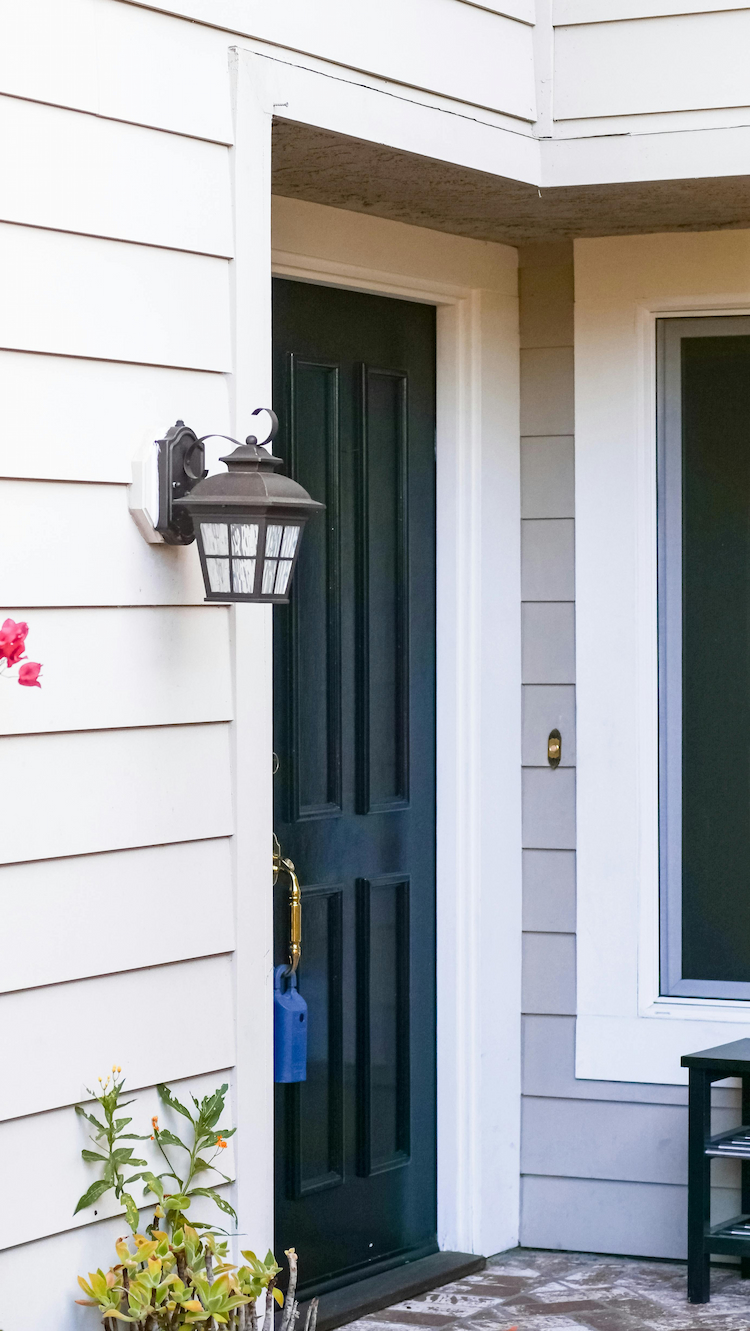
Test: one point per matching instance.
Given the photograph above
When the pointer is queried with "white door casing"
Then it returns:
(474, 286)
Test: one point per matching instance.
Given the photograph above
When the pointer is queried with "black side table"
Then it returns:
(733, 1236)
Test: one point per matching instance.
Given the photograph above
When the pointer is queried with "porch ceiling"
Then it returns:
(364, 177)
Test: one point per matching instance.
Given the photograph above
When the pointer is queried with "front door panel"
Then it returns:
(354, 387)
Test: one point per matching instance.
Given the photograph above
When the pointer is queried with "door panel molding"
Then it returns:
(373, 684)
(327, 488)
(394, 1034)
(297, 1185)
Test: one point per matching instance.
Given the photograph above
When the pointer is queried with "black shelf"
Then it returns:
(732, 1237)
(735, 1144)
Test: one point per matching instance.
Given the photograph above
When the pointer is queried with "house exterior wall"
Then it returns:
(136, 260)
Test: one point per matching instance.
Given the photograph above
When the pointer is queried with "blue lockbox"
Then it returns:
(289, 1028)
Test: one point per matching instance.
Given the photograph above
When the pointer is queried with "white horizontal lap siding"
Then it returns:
(84, 420)
(73, 794)
(54, 1040)
(78, 296)
(593, 11)
(77, 172)
(680, 63)
(123, 667)
(71, 918)
(29, 1144)
(77, 545)
(464, 51)
(119, 61)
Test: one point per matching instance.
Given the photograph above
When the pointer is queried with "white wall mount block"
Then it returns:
(143, 493)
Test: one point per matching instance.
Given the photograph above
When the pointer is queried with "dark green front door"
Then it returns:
(354, 676)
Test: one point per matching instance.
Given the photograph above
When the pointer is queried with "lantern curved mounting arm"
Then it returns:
(250, 438)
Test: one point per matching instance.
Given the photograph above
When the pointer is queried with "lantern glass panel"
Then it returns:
(215, 538)
(243, 576)
(273, 540)
(245, 539)
(269, 577)
(289, 541)
(218, 574)
(282, 577)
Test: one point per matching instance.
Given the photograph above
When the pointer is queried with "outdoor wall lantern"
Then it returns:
(247, 521)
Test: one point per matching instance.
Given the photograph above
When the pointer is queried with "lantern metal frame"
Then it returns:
(248, 521)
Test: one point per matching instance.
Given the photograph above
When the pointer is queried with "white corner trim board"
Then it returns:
(625, 1030)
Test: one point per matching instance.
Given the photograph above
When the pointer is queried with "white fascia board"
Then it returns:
(623, 158)
(396, 119)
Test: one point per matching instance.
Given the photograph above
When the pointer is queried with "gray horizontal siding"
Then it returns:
(598, 1215)
(633, 1143)
(549, 808)
(549, 891)
(604, 1163)
(549, 974)
(547, 477)
(549, 1070)
(548, 559)
(548, 647)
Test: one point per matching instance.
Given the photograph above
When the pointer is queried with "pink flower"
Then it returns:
(29, 674)
(12, 641)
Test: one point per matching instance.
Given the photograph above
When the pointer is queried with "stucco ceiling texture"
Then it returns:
(324, 167)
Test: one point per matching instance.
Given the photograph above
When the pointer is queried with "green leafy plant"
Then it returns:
(162, 1283)
(205, 1137)
(177, 1277)
(114, 1158)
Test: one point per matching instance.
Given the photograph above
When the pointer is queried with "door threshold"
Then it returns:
(402, 1282)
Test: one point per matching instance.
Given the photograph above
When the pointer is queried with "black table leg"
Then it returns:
(745, 1261)
(699, 1185)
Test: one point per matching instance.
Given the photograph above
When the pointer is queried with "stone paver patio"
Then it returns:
(545, 1291)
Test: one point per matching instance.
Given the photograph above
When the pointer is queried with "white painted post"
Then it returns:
(253, 673)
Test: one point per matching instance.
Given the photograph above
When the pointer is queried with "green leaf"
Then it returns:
(121, 1123)
(89, 1156)
(135, 1137)
(215, 1197)
(93, 1194)
(154, 1184)
(90, 1117)
(131, 1211)
(122, 1155)
(224, 1132)
(177, 1203)
(169, 1099)
(168, 1138)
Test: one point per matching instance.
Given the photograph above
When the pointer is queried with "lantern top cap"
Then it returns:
(251, 456)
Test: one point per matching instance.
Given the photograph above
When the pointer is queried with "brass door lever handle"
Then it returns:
(282, 865)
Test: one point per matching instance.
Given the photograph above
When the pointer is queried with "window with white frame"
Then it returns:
(703, 464)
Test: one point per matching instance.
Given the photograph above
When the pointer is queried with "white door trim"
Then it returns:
(478, 698)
